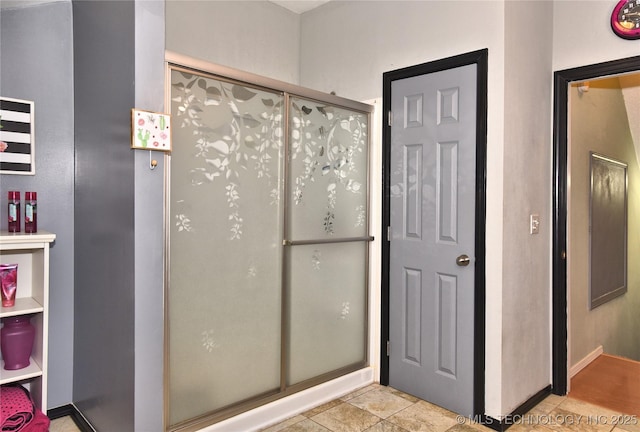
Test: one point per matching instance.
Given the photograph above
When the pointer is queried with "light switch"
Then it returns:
(534, 224)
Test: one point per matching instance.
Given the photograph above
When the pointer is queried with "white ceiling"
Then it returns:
(299, 6)
(24, 3)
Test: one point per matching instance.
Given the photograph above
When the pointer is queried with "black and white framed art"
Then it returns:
(17, 133)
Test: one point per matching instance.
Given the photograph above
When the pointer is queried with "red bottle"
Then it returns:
(30, 212)
(13, 215)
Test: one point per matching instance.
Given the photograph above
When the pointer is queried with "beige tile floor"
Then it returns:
(377, 408)
(63, 424)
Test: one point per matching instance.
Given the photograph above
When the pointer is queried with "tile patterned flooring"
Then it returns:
(377, 408)
(63, 424)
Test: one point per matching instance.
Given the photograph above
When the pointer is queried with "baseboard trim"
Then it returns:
(73, 412)
(573, 371)
(281, 409)
(516, 415)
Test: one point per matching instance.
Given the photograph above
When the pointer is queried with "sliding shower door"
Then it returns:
(267, 233)
(326, 238)
(224, 297)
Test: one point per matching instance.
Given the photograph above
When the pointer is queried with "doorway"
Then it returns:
(427, 364)
(562, 81)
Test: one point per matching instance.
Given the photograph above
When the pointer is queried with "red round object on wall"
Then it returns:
(625, 19)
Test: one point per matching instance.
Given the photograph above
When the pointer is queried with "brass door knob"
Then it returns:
(463, 260)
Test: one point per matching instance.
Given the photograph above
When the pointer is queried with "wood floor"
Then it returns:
(611, 382)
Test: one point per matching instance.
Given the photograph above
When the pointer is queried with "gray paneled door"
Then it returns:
(432, 214)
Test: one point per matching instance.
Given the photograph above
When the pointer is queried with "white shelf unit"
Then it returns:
(31, 253)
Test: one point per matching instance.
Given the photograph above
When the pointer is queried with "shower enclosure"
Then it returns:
(267, 240)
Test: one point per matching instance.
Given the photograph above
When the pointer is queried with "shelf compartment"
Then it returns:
(31, 253)
(10, 376)
(37, 240)
(23, 306)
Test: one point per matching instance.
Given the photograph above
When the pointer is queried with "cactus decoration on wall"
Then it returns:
(150, 131)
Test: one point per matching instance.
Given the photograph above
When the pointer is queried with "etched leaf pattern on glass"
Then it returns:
(328, 146)
(239, 141)
(228, 218)
(225, 278)
(208, 343)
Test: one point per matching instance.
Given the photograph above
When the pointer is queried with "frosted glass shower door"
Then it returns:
(327, 235)
(266, 291)
(226, 218)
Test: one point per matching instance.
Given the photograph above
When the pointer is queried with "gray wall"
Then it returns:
(347, 45)
(149, 227)
(526, 304)
(104, 64)
(255, 36)
(37, 66)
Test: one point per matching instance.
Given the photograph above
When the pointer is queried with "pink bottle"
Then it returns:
(13, 211)
(30, 212)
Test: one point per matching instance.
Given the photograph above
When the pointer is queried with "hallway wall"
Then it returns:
(527, 182)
